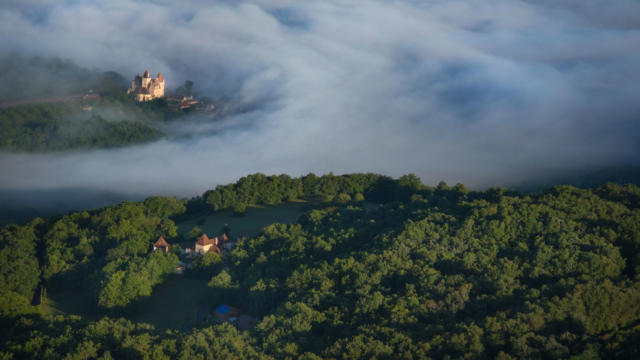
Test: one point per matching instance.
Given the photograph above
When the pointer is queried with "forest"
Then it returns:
(30, 77)
(113, 119)
(59, 127)
(375, 268)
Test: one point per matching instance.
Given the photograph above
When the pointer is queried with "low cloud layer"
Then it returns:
(486, 93)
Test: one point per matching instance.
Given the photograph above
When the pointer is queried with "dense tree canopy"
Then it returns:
(19, 268)
(427, 272)
(107, 250)
(271, 190)
(64, 126)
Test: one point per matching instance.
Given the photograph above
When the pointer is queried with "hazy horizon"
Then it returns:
(491, 93)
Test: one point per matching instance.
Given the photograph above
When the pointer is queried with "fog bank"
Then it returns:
(484, 93)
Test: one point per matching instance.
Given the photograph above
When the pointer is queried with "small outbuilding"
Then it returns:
(226, 312)
(161, 244)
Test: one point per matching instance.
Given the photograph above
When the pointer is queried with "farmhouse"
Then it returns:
(204, 244)
(161, 244)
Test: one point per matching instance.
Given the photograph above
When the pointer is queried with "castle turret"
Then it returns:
(146, 80)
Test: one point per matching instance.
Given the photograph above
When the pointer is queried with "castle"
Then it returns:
(146, 88)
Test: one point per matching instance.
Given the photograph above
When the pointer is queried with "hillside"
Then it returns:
(59, 127)
(49, 104)
(373, 267)
(25, 78)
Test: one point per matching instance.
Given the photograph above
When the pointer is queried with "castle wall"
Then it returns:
(143, 97)
(157, 88)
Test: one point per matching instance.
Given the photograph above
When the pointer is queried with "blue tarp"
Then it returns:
(223, 309)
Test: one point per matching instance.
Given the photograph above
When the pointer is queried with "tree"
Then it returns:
(343, 198)
(164, 207)
(19, 268)
(239, 208)
(221, 281)
(195, 232)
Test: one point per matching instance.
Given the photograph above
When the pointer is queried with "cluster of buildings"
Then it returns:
(203, 245)
(147, 88)
(182, 102)
(218, 245)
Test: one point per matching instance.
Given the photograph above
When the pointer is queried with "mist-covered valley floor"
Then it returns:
(499, 93)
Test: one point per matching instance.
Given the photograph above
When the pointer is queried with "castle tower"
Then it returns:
(157, 87)
(146, 79)
(135, 84)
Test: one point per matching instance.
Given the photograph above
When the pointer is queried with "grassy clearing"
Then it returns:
(249, 224)
(69, 302)
(176, 301)
(173, 303)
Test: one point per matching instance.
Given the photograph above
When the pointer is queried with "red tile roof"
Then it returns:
(204, 240)
(161, 242)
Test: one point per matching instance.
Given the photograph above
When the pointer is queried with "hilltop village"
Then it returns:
(107, 110)
(145, 88)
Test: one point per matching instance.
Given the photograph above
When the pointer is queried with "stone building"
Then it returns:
(161, 244)
(206, 244)
(147, 88)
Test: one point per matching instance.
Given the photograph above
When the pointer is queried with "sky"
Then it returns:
(487, 93)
